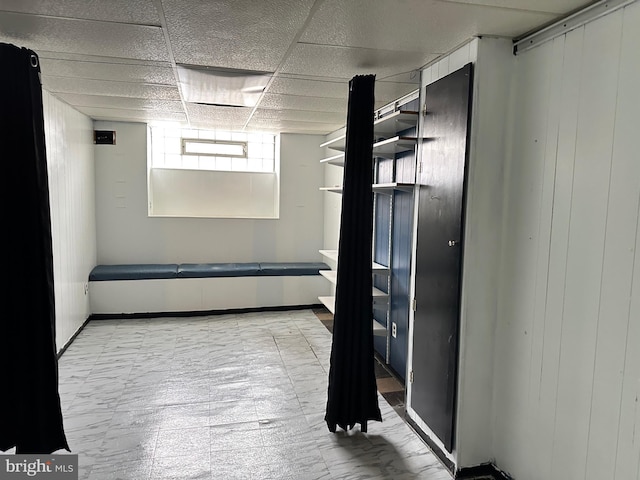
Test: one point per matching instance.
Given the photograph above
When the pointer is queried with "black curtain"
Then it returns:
(352, 392)
(30, 415)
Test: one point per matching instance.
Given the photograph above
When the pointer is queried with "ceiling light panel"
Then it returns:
(346, 62)
(125, 11)
(243, 34)
(113, 71)
(221, 87)
(83, 37)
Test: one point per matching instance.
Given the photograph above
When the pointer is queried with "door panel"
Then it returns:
(439, 253)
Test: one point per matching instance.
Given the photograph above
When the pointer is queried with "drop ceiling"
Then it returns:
(119, 59)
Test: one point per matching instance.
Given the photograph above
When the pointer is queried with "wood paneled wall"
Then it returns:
(567, 358)
(69, 144)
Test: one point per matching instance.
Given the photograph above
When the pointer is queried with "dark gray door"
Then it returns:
(439, 253)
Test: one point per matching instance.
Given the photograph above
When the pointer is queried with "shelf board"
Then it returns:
(390, 147)
(388, 188)
(338, 143)
(330, 254)
(376, 268)
(330, 303)
(394, 122)
(330, 275)
(337, 160)
(336, 189)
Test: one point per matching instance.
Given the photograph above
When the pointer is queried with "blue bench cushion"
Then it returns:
(292, 268)
(133, 272)
(202, 270)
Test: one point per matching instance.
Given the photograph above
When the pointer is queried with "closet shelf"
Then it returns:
(395, 122)
(388, 188)
(390, 147)
(338, 143)
(329, 303)
(376, 268)
(336, 189)
(335, 160)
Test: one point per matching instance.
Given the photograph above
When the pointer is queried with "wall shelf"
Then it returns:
(390, 147)
(337, 160)
(395, 122)
(389, 188)
(336, 189)
(378, 328)
(338, 143)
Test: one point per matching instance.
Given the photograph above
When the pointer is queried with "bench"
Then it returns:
(203, 287)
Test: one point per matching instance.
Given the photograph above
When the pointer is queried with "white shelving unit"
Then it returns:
(388, 123)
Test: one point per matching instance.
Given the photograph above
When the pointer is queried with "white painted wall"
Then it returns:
(69, 144)
(567, 345)
(492, 69)
(127, 235)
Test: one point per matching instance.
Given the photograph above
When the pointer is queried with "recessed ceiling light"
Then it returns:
(215, 86)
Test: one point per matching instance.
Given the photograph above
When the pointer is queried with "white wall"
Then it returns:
(567, 362)
(69, 144)
(127, 235)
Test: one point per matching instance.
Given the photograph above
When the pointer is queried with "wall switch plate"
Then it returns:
(394, 329)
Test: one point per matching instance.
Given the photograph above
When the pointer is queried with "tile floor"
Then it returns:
(238, 396)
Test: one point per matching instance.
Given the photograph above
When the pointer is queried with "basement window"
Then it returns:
(212, 174)
(214, 148)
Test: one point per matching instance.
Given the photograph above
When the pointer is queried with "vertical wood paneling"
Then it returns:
(586, 245)
(537, 412)
(69, 144)
(571, 272)
(627, 441)
(525, 184)
(620, 240)
(556, 276)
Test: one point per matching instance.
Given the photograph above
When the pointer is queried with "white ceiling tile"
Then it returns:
(299, 115)
(126, 11)
(429, 26)
(121, 102)
(242, 34)
(83, 36)
(332, 88)
(113, 71)
(387, 92)
(109, 89)
(295, 102)
(547, 6)
(233, 117)
(286, 126)
(122, 115)
(345, 62)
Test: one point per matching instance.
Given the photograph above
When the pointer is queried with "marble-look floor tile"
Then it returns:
(234, 396)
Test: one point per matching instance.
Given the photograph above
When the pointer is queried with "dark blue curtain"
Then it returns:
(352, 392)
(30, 414)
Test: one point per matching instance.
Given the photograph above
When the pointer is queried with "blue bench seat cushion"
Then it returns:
(204, 270)
(292, 268)
(133, 272)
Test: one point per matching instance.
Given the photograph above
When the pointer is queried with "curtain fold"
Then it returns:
(30, 413)
(352, 394)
